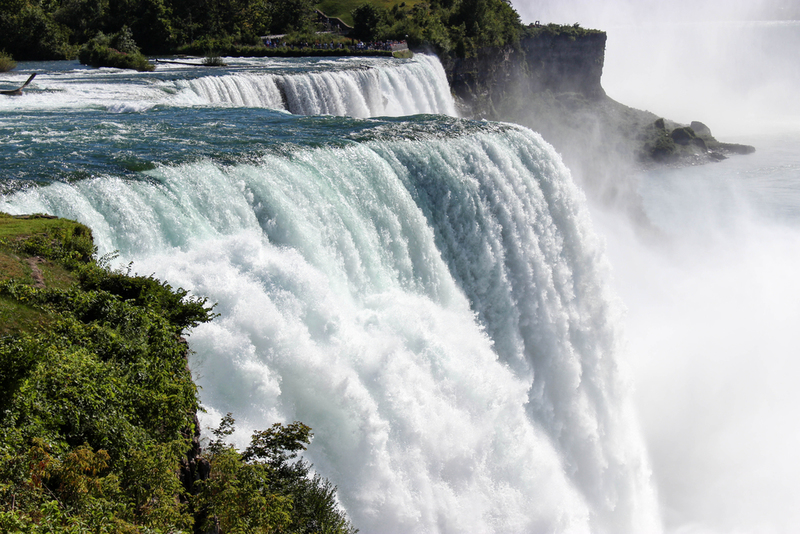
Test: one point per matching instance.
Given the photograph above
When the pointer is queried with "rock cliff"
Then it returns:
(489, 83)
(551, 83)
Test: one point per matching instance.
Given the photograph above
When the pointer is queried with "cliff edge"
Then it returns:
(551, 83)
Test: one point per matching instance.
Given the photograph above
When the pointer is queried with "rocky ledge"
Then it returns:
(667, 142)
(551, 84)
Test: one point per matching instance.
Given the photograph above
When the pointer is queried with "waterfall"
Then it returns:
(415, 87)
(428, 296)
(356, 87)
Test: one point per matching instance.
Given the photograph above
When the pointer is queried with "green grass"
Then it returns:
(22, 239)
(97, 407)
(28, 225)
(342, 8)
(16, 318)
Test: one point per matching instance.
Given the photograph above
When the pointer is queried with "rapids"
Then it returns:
(427, 293)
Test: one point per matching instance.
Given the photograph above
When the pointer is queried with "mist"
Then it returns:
(696, 60)
(713, 296)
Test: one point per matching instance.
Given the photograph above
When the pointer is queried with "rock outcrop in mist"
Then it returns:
(551, 83)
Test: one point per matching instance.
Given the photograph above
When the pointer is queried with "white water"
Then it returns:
(365, 87)
(712, 305)
(436, 309)
(418, 87)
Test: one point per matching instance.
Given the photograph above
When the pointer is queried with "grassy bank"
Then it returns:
(98, 408)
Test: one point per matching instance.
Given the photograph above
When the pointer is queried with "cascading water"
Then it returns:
(364, 87)
(713, 301)
(419, 87)
(426, 293)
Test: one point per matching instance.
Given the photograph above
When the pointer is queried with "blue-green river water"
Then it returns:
(432, 295)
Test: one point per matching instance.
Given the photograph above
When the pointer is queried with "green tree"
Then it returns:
(265, 488)
(28, 32)
(292, 16)
(83, 17)
(369, 22)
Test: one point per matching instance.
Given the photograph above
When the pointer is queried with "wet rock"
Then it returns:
(700, 129)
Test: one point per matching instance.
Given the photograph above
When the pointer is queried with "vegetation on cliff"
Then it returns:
(98, 408)
(449, 26)
(573, 32)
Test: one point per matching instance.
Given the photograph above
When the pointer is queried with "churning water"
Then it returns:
(357, 87)
(426, 292)
(431, 296)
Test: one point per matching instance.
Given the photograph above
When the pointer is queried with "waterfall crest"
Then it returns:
(413, 88)
(355, 87)
(431, 303)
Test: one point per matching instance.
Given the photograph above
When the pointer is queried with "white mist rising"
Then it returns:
(435, 307)
(731, 65)
(713, 307)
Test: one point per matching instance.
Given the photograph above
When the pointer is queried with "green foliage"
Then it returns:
(263, 489)
(7, 63)
(118, 50)
(71, 244)
(30, 29)
(234, 50)
(291, 15)
(27, 32)
(97, 405)
(485, 23)
(212, 59)
(94, 409)
(656, 143)
(572, 32)
(369, 22)
(460, 27)
(84, 18)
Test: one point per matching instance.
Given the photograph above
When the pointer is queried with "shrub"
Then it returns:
(212, 59)
(118, 50)
(97, 410)
(7, 63)
(263, 488)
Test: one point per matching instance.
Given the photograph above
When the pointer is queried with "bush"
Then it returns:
(118, 50)
(98, 410)
(7, 63)
(263, 488)
(30, 33)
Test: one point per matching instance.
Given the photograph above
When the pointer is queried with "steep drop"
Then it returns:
(427, 294)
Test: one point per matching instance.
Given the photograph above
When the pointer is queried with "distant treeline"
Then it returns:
(56, 29)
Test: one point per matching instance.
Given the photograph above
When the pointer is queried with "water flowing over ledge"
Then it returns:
(362, 87)
(428, 295)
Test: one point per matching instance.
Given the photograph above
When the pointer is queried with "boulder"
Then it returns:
(700, 129)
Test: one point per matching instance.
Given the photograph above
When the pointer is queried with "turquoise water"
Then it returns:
(432, 296)
(426, 292)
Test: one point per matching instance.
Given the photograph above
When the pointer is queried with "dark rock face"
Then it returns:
(489, 83)
(564, 65)
(685, 136)
(193, 465)
(551, 84)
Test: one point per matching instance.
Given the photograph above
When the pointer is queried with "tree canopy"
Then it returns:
(57, 29)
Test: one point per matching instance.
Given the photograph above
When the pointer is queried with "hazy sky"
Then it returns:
(622, 12)
(716, 62)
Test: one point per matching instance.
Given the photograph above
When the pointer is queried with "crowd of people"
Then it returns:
(279, 42)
